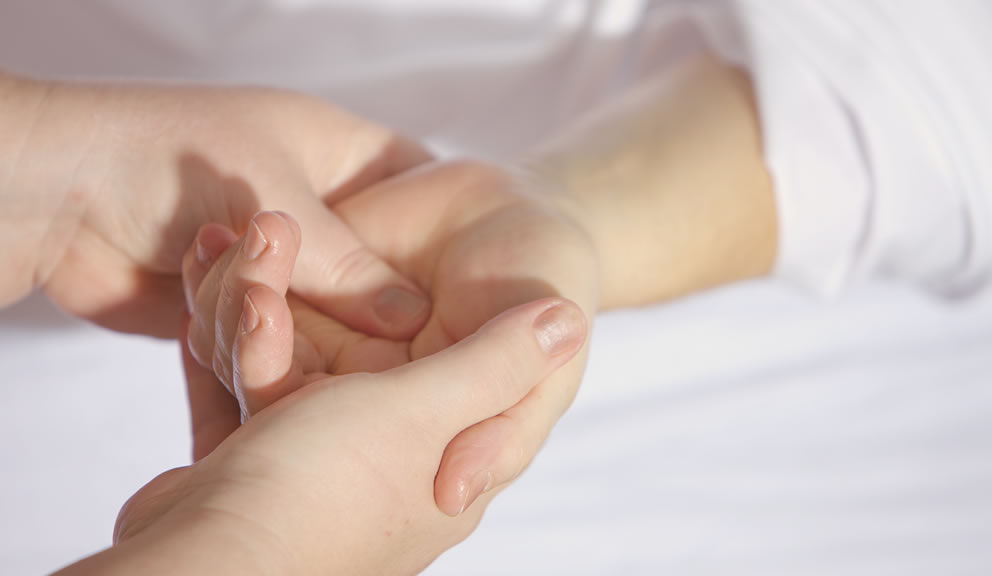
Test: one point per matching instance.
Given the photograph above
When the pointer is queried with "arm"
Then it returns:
(30, 197)
(670, 185)
(193, 544)
(876, 135)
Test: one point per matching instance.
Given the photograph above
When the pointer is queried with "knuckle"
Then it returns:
(351, 266)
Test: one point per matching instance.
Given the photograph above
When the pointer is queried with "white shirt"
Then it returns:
(746, 431)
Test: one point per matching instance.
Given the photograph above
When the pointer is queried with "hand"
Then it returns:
(479, 240)
(135, 171)
(337, 477)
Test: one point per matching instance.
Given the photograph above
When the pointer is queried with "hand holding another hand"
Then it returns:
(337, 477)
(110, 183)
(478, 239)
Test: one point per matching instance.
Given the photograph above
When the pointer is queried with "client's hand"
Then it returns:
(480, 240)
(337, 477)
(111, 183)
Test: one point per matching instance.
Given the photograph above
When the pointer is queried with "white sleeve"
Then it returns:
(877, 130)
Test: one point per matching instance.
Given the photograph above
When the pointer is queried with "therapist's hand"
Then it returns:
(481, 239)
(103, 188)
(478, 239)
(337, 477)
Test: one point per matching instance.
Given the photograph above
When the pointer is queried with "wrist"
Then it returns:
(184, 540)
(670, 184)
(559, 195)
(40, 152)
(22, 218)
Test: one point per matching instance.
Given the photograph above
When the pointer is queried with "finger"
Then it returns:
(210, 243)
(335, 271)
(264, 257)
(496, 451)
(214, 413)
(340, 276)
(264, 370)
(203, 311)
(491, 370)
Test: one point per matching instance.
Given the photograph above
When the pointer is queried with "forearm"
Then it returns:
(671, 186)
(193, 547)
(40, 146)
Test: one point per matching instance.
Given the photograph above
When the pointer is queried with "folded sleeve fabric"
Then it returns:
(877, 129)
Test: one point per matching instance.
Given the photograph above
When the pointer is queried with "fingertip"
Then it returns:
(460, 496)
(279, 229)
(265, 313)
(250, 318)
(470, 466)
(211, 241)
(342, 277)
(401, 311)
(561, 329)
(208, 245)
(263, 350)
(294, 226)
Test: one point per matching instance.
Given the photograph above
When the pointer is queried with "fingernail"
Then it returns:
(560, 329)
(202, 256)
(398, 306)
(249, 316)
(480, 483)
(209, 245)
(255, 242)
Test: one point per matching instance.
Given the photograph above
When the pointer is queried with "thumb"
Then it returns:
(493, 369)
(339, 275)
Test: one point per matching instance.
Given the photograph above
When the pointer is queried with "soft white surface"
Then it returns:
(749, 431)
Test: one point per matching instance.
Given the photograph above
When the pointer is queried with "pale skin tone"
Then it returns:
(660, 195)
(337, 477)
